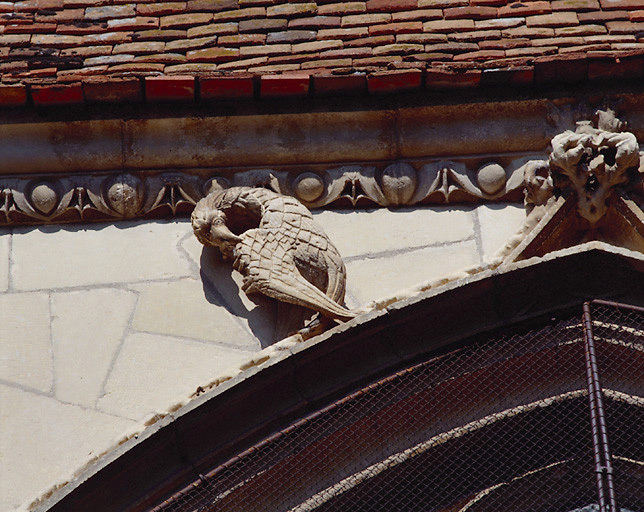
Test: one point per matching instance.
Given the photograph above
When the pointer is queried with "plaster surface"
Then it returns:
(107, 326)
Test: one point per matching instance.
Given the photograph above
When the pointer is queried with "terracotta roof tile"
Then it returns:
(48, 48)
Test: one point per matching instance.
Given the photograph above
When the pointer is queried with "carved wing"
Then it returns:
(265, 258)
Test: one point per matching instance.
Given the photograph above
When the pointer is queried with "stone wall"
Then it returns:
(105, 326)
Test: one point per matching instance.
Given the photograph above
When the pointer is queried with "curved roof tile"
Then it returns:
(70, 51)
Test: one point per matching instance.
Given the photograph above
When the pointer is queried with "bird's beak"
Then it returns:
(220, 232)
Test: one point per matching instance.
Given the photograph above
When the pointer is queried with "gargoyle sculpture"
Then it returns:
(589, 189)
(277, 246)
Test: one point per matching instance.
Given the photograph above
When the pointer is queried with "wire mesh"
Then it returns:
(498, 425)
(619, 341)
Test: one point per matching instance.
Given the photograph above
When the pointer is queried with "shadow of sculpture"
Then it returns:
(223, 287)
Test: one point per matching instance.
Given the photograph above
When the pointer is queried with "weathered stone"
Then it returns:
(5, 246)
(491, 178)
(25, 351)
(189, 309)
(163, 371)
(497, 223)
(375, 277)
(49, 438)
(398, 230)
(87, 328)
(133, 251)
(308, 186)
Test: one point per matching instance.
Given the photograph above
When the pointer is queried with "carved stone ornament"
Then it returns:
(278, 248)
(151, 193)
(589, 189)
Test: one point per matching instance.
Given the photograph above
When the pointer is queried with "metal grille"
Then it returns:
(515, 423)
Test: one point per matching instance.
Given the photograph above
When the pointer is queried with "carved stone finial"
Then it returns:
(276, 245)
(582, 192)
(592, 161)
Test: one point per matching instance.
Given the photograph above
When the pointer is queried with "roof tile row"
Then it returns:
(46, 43)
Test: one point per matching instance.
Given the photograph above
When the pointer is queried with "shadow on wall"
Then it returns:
(222, 287)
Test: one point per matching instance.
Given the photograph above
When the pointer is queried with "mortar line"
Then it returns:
(10, 263)
(477, 235)
(122, 285)
(396, 252)
(51, 346)
(127, 330)
(220, 344)
(42, 394)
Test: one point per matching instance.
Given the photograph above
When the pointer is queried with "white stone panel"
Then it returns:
(25, 342)
(498, 222)
(257, 315)
(153, 373)
(376, 278)
(5, 245)
(44, 442)
(87, 328)
(81, 255)
(184, 308)
(382, 230)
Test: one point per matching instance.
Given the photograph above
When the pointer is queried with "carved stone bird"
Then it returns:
(276, 245)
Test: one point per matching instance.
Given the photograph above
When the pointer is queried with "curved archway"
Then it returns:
(221, 425)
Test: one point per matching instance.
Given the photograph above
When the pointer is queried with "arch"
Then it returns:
(232, 417)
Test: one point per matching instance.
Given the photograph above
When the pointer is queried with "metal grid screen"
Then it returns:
(549, 420)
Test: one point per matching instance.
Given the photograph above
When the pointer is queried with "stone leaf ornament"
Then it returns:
(590, 188)
(276, 245)
(157, 194)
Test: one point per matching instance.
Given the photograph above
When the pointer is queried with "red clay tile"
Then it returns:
(560, 69)
(161, 8)
(620, 4)
(211, 5)
(274, 86)
(51, 95)
(342, 8)
(525, 9)
(112, 90)
(394, 81)
(601, 16)
(329, 84)
(315, 22)
(213, 54)
(170, 88)
(34, 28)
(559, 19)
(624, 27)
(391, 5)
(396, 28)
(446, 79)
(470, 13)
(480, 55)
(512, 76)
(226, 87)
(575, 5)
(615, 68)
(636, 15)
(13, 95)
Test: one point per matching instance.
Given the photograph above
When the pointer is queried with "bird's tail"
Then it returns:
(297, 290)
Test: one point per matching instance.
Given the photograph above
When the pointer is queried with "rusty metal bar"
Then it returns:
(619, 305)
(603, 464)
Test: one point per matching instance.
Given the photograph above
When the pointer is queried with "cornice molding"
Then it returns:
(111, 169)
